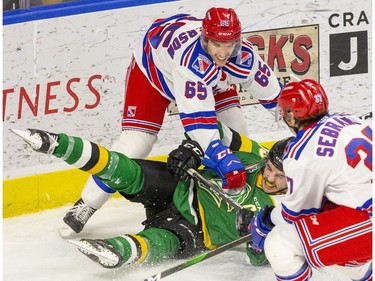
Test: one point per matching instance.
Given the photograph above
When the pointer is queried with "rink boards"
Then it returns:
(64, 70)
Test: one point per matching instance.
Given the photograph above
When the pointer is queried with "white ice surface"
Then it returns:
(34, 251)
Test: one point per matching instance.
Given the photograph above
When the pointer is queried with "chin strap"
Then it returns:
(294, 129)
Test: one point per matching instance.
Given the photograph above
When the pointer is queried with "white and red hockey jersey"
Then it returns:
(173, 59)
(332, 160)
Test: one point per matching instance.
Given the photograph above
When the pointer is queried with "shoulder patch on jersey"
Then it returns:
(246, 55)
(241, 65)
(244, 58)
(197, 60)
(201, 64)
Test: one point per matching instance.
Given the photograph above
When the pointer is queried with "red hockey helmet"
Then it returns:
(221, 24)
(303, 98)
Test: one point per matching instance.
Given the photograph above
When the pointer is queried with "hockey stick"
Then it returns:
(219, 192)
(199, 258)
(243, 216)
(214, 188)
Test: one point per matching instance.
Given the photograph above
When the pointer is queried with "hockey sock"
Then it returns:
(163, 244)
(132, 247)
(153, 245)
(114, 169)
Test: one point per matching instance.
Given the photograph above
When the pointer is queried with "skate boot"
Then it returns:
(76, 218)
(40, 141)
(100, 252)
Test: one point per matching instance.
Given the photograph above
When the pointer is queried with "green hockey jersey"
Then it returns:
(218, 218)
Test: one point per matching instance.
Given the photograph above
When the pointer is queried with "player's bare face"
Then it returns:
(273, 179)
(220, 52)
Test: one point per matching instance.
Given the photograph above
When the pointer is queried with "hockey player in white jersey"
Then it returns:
(325, 217)
(195, 64)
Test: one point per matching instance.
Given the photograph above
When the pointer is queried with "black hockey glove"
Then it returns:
(188, 155)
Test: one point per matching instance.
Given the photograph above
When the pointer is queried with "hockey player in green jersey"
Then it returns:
(184, 217)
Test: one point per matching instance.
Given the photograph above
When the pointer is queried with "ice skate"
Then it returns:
(100, 252)
(76, 218)
(40, 141)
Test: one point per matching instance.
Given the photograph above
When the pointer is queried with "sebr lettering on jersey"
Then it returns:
(174, 61)
(348, 160)
(329, 133)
